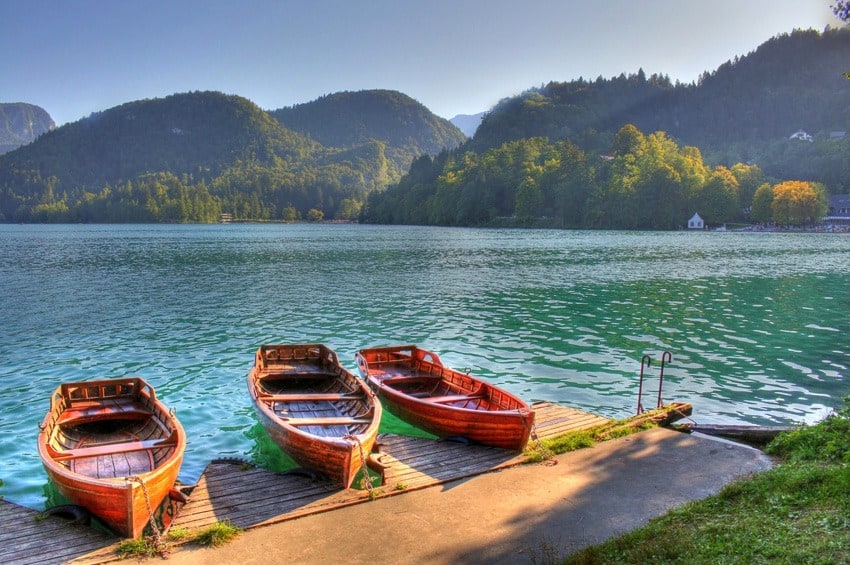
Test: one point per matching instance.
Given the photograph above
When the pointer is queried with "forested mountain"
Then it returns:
(21, 123)
(744, 111)
(199, 132)
(584, 154)
(192, 157)
(351, 119)
(631, 151)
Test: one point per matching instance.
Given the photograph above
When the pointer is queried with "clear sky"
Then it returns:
(75, 57)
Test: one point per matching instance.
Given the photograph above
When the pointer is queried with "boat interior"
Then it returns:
(319, 403)
(118, 436)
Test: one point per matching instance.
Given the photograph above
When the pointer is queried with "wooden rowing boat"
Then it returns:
(315, 410)
(111, 447)
(415, 386)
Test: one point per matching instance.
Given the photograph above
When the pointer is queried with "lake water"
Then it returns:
(757, 323)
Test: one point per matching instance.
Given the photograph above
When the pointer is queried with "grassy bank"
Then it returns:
(797, 512)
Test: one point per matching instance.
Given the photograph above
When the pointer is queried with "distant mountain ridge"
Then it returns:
(601, 153)
(22, 123)
(468, 123)
(350, 119)
(792, 81)
(192, 156)
(181, 133)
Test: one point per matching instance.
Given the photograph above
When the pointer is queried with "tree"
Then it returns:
(842, 10)
(661, 200)
(660, 193)
(628, 140)
(349, 209)
(718, 199)
(762, 210)
(799, 202)
(314, 215)
(572, 183)
(750, 178)
(528, 200)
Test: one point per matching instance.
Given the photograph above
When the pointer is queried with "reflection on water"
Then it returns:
(264, 453)
(756, 323)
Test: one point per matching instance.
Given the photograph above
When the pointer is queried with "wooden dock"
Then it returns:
(250, 497)
(28, 537)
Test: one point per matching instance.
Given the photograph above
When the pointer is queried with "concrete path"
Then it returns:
(526, 514)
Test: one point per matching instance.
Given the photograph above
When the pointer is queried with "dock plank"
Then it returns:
(254, 497)
(29, 538)
(250, 497)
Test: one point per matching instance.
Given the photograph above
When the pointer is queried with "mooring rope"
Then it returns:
(367, 479)
(159, 545)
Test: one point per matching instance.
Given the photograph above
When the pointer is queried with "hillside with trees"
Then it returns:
(641, 152)
(745, 111)
(189, 158)
(644, 182)
(352, 119)
(632, 151)
(22, 123)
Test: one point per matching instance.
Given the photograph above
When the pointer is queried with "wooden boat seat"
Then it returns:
(300, 369)
(390, 372)
(453, 398)
(294, 397)
(91, 411)
(111, 448)
(391, 381)
(329, 421)
(397, 361)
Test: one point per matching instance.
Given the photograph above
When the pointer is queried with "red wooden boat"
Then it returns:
(111, 447)
(315, 410)
(415, 386)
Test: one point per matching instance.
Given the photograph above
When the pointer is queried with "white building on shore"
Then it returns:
(696, 222)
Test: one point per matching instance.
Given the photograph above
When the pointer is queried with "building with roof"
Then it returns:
(696, 222)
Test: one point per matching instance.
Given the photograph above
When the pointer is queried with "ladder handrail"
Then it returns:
(666, 356)
(646, 361)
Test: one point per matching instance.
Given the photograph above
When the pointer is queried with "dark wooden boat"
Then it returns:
(315, 410)
(111, 447)
(414, 385)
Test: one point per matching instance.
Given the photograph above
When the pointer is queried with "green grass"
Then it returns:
(212, 536)
(216, 535)
(178, 534)
(798, 512)
(141, 547)
(544, 449)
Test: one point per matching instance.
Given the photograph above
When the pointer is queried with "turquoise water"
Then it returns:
(757, 323)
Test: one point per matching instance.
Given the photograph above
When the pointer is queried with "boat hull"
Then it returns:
(111, 447)
(415, 386)
(315, 410)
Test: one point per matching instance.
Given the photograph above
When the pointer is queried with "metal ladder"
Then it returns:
(646, 361)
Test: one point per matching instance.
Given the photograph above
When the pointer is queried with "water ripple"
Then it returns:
(756, 323)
